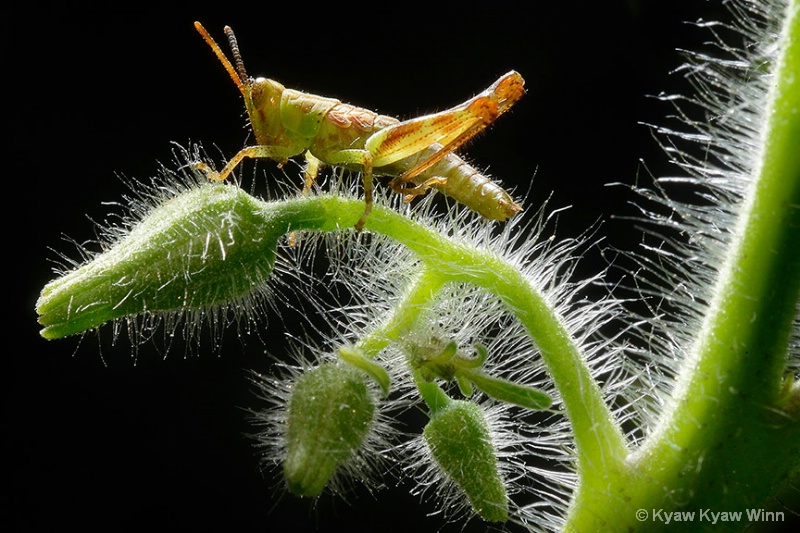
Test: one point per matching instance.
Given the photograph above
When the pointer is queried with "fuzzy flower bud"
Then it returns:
(461, 444)
(208, 246)
(330, 413)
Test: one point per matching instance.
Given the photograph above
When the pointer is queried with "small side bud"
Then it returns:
(460, 442)
(330, 413)
(208, 246)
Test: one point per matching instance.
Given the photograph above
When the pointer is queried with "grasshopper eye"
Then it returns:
(265, 92)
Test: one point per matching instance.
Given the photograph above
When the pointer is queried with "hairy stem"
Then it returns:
(600, 443)
(405, 314)
(728, 437)
(739, 357)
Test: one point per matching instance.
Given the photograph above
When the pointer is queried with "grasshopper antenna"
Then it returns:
(237, 56)
(237, 74)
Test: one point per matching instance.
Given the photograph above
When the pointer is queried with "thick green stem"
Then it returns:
(736, 366)
(725, 442)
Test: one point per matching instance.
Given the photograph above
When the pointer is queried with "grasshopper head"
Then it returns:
(262, 96)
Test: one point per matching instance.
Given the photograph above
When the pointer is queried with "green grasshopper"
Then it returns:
(417, 153)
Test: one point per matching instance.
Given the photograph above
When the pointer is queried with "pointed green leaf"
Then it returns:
(510, 392)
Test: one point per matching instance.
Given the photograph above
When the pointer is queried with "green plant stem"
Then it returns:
(739, 358)
(725, 442)
(599, 441)
(404, 314)
(433, 395)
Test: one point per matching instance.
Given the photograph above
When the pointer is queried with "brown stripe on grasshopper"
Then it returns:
(417, 153)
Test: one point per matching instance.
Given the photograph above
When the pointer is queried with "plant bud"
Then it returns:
(461, 444)
(208, 246)
(330, 413)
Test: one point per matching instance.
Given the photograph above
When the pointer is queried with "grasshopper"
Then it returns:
(418, 154)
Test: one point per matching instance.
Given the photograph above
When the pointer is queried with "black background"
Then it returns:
(97, 440)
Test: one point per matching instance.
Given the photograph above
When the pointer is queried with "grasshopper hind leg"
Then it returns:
(419, 189)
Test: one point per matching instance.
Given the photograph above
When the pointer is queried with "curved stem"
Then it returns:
(405, 313)
(600, 443)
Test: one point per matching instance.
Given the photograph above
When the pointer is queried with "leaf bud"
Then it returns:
(330, 413)
(459, 439)
(208, 246)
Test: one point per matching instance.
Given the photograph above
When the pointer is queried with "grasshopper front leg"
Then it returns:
(277, 153)
(360, 158)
